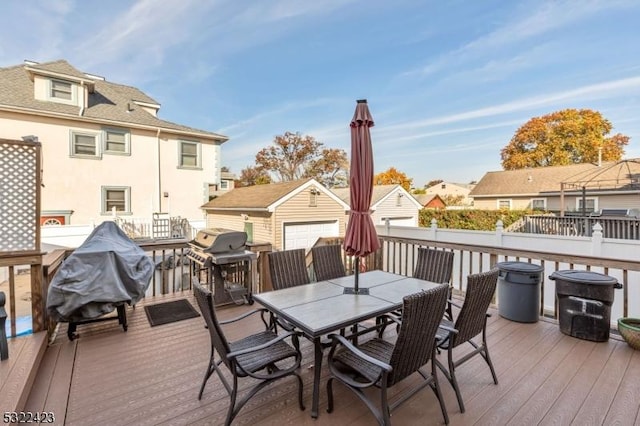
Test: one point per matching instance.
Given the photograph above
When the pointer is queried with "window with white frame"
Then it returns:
(399, 199)
(189, 155)
(84, 145)
(224, 184)
(504, 204)
(538, 204)
(116, 141)
(61, 90)
(591, 204)
(116, 198)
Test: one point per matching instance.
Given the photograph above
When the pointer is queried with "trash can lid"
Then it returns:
(583, 277)
(519, 267)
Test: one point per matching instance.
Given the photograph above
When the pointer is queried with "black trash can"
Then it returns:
(519, 291)
(584, 303)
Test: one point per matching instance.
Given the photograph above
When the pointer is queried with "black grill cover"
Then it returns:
(106, 270)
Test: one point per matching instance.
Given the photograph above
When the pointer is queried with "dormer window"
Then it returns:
(60, 90)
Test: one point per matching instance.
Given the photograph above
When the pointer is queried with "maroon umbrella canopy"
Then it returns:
(361, 238)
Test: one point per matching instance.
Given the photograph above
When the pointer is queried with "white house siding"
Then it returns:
(262, 223)
(75, 183)
(297, 210)
(388, 208)
(604, 201)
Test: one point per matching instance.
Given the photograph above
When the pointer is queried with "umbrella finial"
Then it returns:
(361, 101)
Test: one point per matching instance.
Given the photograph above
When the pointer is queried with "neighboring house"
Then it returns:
(611, 185)
(104, 147)
(227, 183)
(289, 215)
(430, 201)
(449, 189)
(389, 202)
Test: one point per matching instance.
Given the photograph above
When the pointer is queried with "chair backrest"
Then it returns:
(327, 262)
(472, 316)
(421, 315)
(434, 265)
(205, 303)
(288, 268)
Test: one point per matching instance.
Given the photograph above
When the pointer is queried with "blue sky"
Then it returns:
(448, 82)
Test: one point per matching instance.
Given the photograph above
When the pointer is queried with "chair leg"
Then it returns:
(330, 395)
(300, 391)
(453, 380)
(487, 358)
(436, 389)
(207, 374)
(232, 403)
(384, 407)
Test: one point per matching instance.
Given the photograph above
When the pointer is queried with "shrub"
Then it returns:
(477, 220)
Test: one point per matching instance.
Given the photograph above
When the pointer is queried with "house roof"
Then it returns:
(108, 102)
(265, 197)
(379, 194)
(621, 175)
(425, 199)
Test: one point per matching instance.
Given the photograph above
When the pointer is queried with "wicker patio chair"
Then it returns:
(264, 356)
(434, 265)
(327, 262)
(470, 322)
(382, 364)
(288, 268)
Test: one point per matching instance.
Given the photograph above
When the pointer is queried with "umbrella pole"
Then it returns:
(356, 278)
(357, 274)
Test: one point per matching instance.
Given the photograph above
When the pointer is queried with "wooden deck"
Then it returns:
(151, 375)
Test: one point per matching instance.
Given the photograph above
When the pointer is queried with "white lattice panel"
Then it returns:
(18, 196)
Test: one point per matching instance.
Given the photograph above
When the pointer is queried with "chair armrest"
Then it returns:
(245, 315)
(347, 345)
(451, 302)
(447, 328)
(235, 354)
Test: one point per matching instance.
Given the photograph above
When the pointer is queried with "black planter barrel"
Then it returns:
(584, 303)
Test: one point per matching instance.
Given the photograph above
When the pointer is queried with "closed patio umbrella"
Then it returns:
(360, 238)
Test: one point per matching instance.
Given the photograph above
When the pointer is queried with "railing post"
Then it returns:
(596, 240)
(434, 229)
(499, 232)
(4, 346)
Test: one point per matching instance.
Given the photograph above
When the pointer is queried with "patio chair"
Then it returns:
(470, 322)
(263, 356)
(434, 265)
(327, 262)
(288, 268)
(382, 364)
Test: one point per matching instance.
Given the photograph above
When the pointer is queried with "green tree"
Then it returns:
(564, 137)
(392, 176)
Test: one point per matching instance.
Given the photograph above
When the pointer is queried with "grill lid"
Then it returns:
(219, 240)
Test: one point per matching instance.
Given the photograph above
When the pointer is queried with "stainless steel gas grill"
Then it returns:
(219, 258)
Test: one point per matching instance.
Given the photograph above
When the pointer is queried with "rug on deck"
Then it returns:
(167, 312)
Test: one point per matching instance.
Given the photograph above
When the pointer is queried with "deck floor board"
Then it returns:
(151, 376)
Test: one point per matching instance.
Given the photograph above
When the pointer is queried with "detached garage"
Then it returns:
(389, 202)
(288, 215)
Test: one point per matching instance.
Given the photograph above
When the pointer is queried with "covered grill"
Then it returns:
(219, 258)
(106, 272)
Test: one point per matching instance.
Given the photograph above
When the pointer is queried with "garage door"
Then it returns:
(304, 235)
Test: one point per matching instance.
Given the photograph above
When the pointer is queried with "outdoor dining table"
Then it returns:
(323, 307)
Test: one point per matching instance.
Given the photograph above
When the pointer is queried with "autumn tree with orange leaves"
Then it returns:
(391, 177)
(564, 137)
(293, 156)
